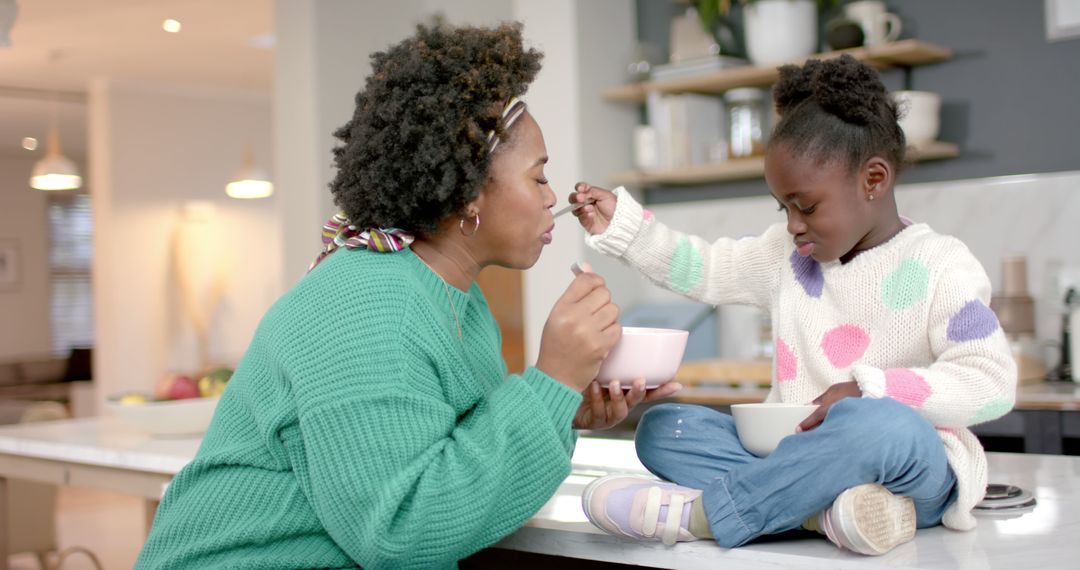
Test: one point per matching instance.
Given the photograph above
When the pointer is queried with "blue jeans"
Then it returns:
(861, 441)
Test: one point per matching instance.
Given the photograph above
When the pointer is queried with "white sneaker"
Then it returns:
(868, 519)
(640, 508)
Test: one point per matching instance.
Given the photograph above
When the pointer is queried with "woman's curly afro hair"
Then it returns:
(415, 150)
(837, 109)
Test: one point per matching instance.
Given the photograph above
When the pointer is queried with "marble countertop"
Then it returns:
(104, 442)
(1043, 538)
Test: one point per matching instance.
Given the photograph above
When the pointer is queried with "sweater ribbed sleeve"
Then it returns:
(728, 271)
(447, 491)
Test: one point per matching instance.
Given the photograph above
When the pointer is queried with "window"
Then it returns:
(71, 302)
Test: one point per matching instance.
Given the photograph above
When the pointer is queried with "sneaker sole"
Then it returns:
(875, 520)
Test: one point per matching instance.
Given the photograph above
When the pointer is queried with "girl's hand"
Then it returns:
(602, 408)
(834, 394)
(596, 216)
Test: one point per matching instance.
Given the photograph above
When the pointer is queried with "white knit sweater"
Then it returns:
(908, 319)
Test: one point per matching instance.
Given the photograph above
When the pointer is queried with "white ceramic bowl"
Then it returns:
(920, 115)
(168, 418)
(653, 354)
(762, 426)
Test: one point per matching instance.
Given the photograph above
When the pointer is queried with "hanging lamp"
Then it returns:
(55, 171)
(250, 182)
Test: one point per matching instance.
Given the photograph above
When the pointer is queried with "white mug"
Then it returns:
(878, 25)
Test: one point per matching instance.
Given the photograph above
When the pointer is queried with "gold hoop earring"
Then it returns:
(475, 225)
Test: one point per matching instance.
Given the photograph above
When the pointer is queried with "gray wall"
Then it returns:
(1009, 96)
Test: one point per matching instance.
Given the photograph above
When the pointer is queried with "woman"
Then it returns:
(372, 421)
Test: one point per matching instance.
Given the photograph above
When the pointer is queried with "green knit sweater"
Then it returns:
(360, 430)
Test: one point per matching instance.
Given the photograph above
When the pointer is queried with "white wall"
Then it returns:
(154, 149)
(323, 51)
(24, 308)
(584, 45)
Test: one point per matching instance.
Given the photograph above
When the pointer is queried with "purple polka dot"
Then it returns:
(972, 322)
(808, 274)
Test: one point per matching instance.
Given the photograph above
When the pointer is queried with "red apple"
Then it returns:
(183, 387)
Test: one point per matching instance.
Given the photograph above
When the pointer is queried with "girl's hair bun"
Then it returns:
(837, 108)
(843, 86)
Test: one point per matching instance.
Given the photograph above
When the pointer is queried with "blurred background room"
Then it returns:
(164, 170)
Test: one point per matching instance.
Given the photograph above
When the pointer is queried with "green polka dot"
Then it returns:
(991, 411)
(906, 286)
(686, 267)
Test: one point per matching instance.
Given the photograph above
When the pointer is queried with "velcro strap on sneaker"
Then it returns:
(652, 512)
(674, 519)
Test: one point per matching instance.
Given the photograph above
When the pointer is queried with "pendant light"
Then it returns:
(55, 171)
(250, 182)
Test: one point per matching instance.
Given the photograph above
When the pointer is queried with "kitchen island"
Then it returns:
(107, 454)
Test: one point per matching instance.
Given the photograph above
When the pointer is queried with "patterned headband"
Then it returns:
(513, 111)
(338, 231)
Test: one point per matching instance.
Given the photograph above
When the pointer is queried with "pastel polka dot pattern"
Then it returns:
(687, 267)
(844, 345)
(786, 366)
(906, 387)
(808, 274)
(647, 215)
(991, 411)
(974, 321)
(906, 286)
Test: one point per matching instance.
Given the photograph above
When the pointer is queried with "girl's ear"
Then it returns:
(877, 177)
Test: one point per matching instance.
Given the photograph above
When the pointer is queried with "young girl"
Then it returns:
(883, 324)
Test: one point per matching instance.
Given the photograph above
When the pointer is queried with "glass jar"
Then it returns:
(746, 135)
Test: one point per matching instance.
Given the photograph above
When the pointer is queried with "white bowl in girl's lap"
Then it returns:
(761, 426)
(649, 353)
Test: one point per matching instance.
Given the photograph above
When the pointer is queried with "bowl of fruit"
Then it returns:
(180, 405)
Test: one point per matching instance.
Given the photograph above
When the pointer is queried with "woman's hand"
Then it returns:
(580, 332)
(602, 408)
(594, 217)
(834, 394)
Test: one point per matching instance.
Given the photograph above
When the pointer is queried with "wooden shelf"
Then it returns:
(747, 168)
(895, 54)
(934, 151)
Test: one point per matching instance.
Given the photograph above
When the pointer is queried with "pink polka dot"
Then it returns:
(786, 367)
(844, 345)
(906, 387)
(647, 214)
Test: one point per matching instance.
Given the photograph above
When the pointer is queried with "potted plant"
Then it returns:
(776, 31)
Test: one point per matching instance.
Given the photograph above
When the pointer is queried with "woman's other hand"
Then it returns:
(604, 408)
(579, 333)
(596, 216)
(834, 394)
